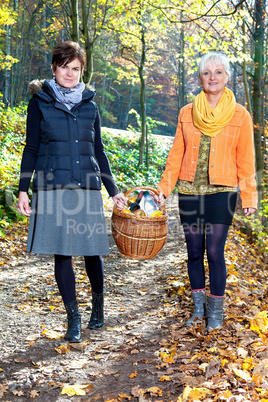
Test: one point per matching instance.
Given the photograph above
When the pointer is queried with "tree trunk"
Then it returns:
(181, 72)
(88, 73)
(25, 54)
(142, 99)
(7, 70)
(75, 21)
(245, 81)
(258, 89)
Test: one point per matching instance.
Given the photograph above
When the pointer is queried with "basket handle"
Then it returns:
(162, 207)
(141, 188)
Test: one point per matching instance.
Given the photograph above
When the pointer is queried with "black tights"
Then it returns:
(65, 276)
(212, 238)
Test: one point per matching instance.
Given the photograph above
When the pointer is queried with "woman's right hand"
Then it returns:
(161, 199)
(23, 203)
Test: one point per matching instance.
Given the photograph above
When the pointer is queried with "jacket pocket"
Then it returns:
(95, 165)
(93, 176)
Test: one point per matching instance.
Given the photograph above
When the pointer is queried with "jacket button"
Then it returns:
(213, 150)
(77, 161)
(76, 140)
(79, 184)
(212, 181)
(212, 165)
(74, 119)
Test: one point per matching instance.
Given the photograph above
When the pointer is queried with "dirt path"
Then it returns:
(143, 352)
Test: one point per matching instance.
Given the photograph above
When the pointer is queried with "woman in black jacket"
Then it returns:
(64, 149)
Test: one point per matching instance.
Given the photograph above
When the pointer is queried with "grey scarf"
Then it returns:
(68, 96)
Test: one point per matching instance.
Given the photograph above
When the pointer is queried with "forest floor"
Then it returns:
(143, 352)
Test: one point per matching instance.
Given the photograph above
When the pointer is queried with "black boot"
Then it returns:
(215, 312)
(73, 333)
(96, 319)
(199, 312)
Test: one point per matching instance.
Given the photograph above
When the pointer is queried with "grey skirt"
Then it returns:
(68, 222)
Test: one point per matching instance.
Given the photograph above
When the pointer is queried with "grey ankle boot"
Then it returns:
(199, 299)
(73, 333)
(215, 312)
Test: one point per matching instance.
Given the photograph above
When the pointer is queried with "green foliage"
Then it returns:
(123, 154)
(256, 228)
(12, 136)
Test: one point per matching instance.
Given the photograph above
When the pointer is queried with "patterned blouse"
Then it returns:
(201, 184)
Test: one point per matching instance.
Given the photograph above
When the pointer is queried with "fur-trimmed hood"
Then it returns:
(35, 86)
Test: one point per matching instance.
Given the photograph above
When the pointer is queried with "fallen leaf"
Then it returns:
(51, 334)
(78, 346)
(154, 391)
(17, 393)
(186, 392)
(21, 360)
(136, 391)
(132, 375)
(248, 364)
(260, 323)
(166, 357)
(3, 389)
(165, 378)
(77, 389)
(245, 375)
(198, 393)
(62, 349)
(34, 394)
(134, 351)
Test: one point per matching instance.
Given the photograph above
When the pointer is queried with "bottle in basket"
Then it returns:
(150, 206)
(136, 205)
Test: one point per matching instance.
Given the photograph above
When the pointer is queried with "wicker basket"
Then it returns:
(139, 237)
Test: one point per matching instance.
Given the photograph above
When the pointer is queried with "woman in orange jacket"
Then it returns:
(211, 157)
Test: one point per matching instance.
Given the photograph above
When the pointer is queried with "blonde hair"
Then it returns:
(217, 58)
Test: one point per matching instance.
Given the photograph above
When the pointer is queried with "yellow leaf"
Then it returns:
(198, 393)
(248, 364)
(165, 378)
(242, 374)
(166, 357)
(62, 349)
(76, 389)
(51, 307)
(133, 374)
(260, 322)
(213, 350)
(51, 334)
(154, 391)
(223, 362)
(227, 394)
(186, 392)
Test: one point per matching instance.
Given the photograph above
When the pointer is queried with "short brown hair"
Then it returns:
(66, 52)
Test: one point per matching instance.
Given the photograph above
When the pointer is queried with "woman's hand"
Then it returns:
(23, 203)
(161, 199)
(120, 201)
(249, 211)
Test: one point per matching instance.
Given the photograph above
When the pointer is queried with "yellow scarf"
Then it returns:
(211, 121)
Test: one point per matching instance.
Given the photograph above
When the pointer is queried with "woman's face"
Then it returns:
(213, 79)
(68, 75)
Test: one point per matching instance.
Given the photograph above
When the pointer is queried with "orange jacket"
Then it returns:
(231, 159)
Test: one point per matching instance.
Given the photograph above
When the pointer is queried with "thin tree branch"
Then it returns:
(199, 16)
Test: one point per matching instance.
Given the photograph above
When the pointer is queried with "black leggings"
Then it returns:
(65, 276)
(212, 238)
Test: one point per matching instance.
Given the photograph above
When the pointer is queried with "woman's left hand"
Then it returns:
(120, 201)
(249, 211)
